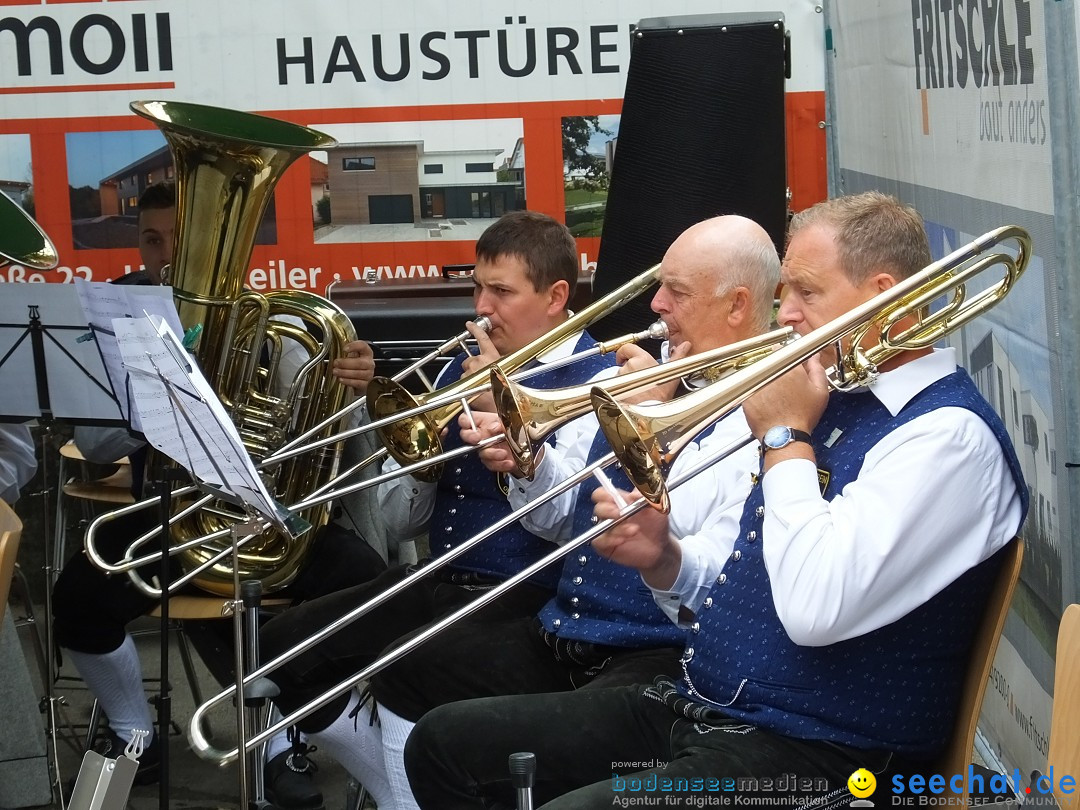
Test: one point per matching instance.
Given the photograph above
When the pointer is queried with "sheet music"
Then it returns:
(102, 303)
(182, 417)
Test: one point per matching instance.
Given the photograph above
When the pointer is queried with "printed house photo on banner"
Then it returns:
(416, 181)
(107, 171)
(588, 146)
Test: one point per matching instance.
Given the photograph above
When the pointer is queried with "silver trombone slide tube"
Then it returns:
(128, 564)
(201, 744)
(438, 401)
(457, 340)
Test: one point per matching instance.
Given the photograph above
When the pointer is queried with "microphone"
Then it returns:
(523, 777)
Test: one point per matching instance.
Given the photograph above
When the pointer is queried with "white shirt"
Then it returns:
(406, 503)
(933, 498)
(18, 462)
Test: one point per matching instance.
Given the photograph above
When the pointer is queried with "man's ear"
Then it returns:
(883, 281)
(558, 297)
(739, 309)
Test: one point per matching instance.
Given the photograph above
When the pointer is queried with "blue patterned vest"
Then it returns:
(600, 601)
(895, 688)
(469, 497)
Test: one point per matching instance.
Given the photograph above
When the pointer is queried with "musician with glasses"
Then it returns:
(836, 636)
(525, 276)
(92, 610)
(602, 627)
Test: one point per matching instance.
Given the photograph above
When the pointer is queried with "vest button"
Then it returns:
(578, 580)
(686, 656)
(751, 536)
(574, 600)
(737, 555)
(575, 615)
(708, 602)
(448, 529)
(557, 624)
(457, 487)
(696, 627)
(720, 580)
(448, 546)
(457, 471)
(582, 559)
(760, 511)
(460, 497)
(453, 511)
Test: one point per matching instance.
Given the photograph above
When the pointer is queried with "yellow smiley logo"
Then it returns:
(862, 783)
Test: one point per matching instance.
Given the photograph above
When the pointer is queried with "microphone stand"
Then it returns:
(523, 777)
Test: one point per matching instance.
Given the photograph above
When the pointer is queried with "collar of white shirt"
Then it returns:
(894, 389)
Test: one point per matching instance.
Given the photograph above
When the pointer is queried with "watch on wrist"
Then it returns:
(781, 436)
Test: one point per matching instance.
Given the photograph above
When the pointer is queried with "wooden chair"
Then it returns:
(1063, 757)
(956, 757)
(10, 532)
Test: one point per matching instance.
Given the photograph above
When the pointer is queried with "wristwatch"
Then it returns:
(781, 436)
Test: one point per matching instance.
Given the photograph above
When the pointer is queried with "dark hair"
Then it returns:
(874, 232)
(543, 244)
(158, 196)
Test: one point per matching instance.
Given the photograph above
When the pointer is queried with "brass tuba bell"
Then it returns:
(227, 164)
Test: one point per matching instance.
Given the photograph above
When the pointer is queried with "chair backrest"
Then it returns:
(957, 755)
(10, 532)
(1064, 753)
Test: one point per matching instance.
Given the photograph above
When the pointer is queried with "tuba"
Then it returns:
(227, 164)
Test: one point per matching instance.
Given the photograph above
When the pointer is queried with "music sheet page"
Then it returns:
(183, 418)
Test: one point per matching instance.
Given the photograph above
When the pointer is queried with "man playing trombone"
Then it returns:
(717, 283)
(526, 272)
(836, 634)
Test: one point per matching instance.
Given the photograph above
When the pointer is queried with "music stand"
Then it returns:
(40, 330)
(182, 417)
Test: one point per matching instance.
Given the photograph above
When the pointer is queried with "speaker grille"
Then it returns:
(701, 134)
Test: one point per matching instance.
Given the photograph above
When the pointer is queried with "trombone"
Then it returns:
(646, 439)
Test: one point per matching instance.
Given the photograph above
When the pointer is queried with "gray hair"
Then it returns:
(874, 233)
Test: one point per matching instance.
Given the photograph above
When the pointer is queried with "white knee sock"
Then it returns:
(280, 741)
(115, 679)
(395, 731)
(357, 745)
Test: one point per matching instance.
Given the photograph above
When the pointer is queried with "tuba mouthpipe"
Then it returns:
(201, 745)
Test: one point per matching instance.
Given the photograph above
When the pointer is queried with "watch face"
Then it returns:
(777, 437)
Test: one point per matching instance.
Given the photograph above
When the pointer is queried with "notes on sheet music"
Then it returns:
(183, 418)
(101, 304)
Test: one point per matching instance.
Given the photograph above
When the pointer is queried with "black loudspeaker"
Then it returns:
(701, 134)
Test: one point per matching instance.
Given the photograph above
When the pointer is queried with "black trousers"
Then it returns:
(91, 610)
(478, 658)
(357, 645)
(621, 746)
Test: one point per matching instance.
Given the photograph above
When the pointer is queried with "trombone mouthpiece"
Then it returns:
(484, 322)
(657, 331)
